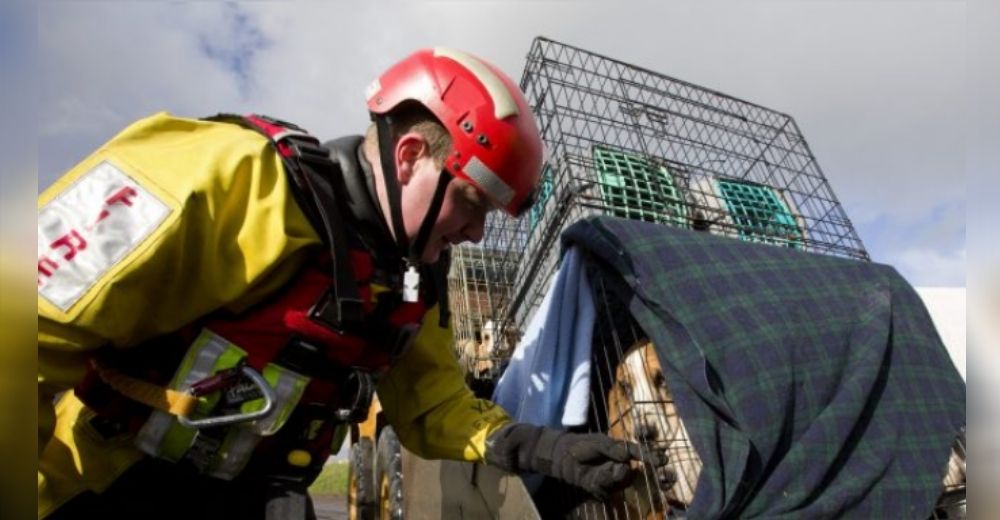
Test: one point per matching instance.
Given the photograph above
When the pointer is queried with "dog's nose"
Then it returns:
(667, 478)
(647, 432)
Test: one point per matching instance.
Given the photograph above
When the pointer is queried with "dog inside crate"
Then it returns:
(631, 401)
(640, 408)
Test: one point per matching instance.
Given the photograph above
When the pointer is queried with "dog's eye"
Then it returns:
(625, 387)
(659, 380)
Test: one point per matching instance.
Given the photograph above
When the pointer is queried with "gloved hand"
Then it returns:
(592, 461)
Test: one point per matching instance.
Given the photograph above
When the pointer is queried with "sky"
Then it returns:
(882, 90)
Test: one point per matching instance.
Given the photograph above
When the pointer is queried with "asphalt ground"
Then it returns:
(330, 507)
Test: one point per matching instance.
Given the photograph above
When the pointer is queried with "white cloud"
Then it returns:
(73, 114)
(930, 267)
(929, 248)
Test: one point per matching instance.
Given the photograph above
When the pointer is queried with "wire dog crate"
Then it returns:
(631, 400)
(625, 141)
(478, 284)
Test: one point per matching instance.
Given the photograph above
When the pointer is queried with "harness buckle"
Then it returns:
(218, 381)
(338, 313)
(359, 389)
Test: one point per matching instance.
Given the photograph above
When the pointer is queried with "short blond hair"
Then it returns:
(413, 117)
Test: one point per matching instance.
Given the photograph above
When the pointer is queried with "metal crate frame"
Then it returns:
(622, 140)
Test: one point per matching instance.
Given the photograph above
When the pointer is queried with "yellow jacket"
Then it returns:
(170, 220)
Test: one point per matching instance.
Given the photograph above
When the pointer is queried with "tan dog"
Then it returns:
(641, 409)
(467, 350)
(477, 358)
(955, 476)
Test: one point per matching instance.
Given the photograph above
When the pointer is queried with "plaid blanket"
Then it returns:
(811, 386)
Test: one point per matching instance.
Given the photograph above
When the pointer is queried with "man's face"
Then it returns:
(463, 212)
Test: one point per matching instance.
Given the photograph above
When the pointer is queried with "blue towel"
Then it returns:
(548, 380)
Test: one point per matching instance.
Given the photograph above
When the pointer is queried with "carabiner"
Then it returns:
(222, 420)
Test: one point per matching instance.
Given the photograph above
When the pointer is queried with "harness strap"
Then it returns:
(439, 275)
(312, 171)
(181, 404)
(346, 310)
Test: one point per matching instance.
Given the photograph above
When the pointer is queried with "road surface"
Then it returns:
(330, 507)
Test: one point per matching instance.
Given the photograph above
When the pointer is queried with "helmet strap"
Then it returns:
(432, 215)
(392, 188)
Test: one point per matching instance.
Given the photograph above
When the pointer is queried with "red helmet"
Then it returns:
(495, 141)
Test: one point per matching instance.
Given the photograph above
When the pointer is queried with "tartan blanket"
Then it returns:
(811, 386)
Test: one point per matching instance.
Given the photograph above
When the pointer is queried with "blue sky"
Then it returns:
(880, 89)
(234, 44)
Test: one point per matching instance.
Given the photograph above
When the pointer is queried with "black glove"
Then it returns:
(592, 461)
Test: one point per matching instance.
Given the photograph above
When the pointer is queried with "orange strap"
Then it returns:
(161, 398)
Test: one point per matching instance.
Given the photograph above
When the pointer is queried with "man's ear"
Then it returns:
(410, 148)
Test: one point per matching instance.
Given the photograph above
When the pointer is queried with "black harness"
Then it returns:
(330, 184)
